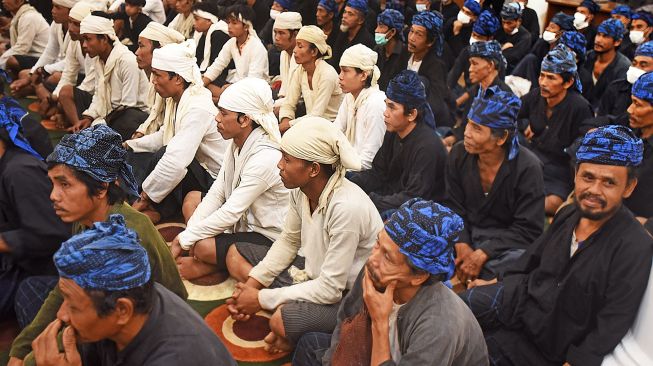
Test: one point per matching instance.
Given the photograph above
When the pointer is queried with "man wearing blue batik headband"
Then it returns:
(551, 117)
(514, 38)
(396, 294)
(565, 300)
(389, 41)
(115, 310)
(458, 30)
(496, 186)
(353, 29)
(326, 17)
(605, 62)
(583, 20)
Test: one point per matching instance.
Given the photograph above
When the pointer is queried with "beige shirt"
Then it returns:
(75, 63)
(28, 33)
(250, 61)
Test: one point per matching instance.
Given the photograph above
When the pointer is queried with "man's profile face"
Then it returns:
(165, 85)
(640, 113)
(352, 17)
(69, 195)
(294, 172)
(394, 117)
(600, 189)
(350, 80)
(73, 29)
(144, 53)
(322, 16)
(92, 44)
(386, 264)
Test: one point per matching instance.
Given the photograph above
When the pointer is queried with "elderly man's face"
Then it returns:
(600, 189)
(479, 69)
(303, 52)
(351, 81)
(322, 16)
(79, 312)
(70, 196)
(604, 43)
(479, 139)
(351, 18)
(295, 172)
(552, 84)
(640, 113)
(144, 53)
(386, 264)
(417, 39)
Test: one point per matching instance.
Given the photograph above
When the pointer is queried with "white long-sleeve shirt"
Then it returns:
(247, 196)
(370, 127)
(335, 242)
(196, 136)
(52, 59)
(77, 62)
(28, 33)
(251, 61)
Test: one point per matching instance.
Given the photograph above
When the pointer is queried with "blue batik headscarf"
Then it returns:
(498, 109)
(426, 233)
(486, 24)
(391, 18)
(108, 257)
(645, 16)
(10, 117)
(489, 50)
(97, 151)
(643, 87)
(564, 21)
(286, 4)
(511, 11)
(360, 5)
(576, 42)
(645, 49)
(623, 10)
(432, 21)
(591, 6)
(613, 28)
(473, 6)
(329, 5)
(611, 145)
(407, 89)
(560, 60)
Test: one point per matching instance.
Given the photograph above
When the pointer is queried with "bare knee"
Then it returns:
(205, 250)
(276, 323)
(237, 266)
(66, 92)
(191, 201)
(23, 74)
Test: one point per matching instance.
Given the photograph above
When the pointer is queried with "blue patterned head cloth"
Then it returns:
(623, 10)
(329, 5)
(97, 151)
(406, 88)
(11, 114)
(426, 233)
(396, 5)
(591, 6)
(286, 4)
(645, 49)
(486, 24)
(560, 60)
(564, 21)
(645, 16)
(611, 145)
(497, 109)
(432, 21)
(511, 11)
(391, 18)
(473, 6)
(613, 28)
(360, 5)
(576, 42)
(643, 87)
(108, 256)
(490, 50)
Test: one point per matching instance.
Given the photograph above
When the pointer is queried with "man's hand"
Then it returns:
(528, 133)
(247, 299)
(457, 26)
(506, 46)
(80, 125)
(206, 81)
(175, 248)
(13, 361)
(143, 203)
(479, 282)
(472, 266)
(379, 304)
(46, 350)
(284, 125)
(137, 135)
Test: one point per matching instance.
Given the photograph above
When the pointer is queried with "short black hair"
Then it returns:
(566, 76)
(326, 168)
(105, 301)
(241, 11)
(115, 194)
(172, 74)
(500, 133)
(421, 110)
(208, 7)
(155, 44)
(140, 3)
(370, 75)
(418, 271)
(312, 46)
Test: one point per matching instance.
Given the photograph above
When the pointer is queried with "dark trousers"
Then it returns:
(10, 277)
(125, 121)
(31, 295)
(310, 349)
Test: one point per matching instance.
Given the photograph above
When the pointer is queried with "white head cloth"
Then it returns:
(162, 34)
(362, 57)
(65, 3)
(81, 10)
(206, 15)
(316, 36)
(180, 59)
(93, 24)
(288, 20)
(253, 97)
(316, 139)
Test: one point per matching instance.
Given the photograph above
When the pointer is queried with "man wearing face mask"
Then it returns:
(623, 13)
(448, 8)
(278, 7)
(388, 38)
(641, 26)
(458, 31)
(529, 20)
(583, 20)
(514, 38)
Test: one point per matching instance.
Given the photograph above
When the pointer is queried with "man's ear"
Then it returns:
(316, 168)
(124, 310)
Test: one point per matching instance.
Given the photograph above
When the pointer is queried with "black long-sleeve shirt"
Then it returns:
(640, 201)
(405, 168)
(389, 66)
(28, 223)
(521, 45)
(574, 309)
(531, 22)
(615, 70)
(461, 40)
(511, 216)
(342, 43)
(614, 103)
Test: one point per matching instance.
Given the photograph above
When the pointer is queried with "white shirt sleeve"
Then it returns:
(322, 91)
(373, 130)
(222, 61)
(27, 29)
(51, 51)
(293, 92)
(71, 68)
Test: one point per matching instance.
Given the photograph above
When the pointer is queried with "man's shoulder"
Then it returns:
(134, 219)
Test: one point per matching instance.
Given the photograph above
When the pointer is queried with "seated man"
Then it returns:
(583, 20)
(183, 21)
(514, 38)
(90, 182)
(496, 186)
(458, 30)
(211, 34)
(329, 231)
(530, 21)
(553, 114)
(360, 116)
(412, 317)
(412, 158)
(30, 232)
(624, 13)
(133, 21)
(186, 153)
(116, 311)
(353, 29)
(326, 17)
(286, 27)
(565, 301)
(247, 202)
(605, 63)
(389, 44)
(28, 36)
(641, 28)
(121, 87)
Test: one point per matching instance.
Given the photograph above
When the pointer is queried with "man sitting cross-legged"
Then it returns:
(247, 202)
(329, 231)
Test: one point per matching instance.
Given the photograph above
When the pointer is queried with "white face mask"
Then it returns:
(514, 31)
(420, 7)
(580, 21)
(463, 18)
(637, 37)
(633, 74)
(549, 36)
(473, 40)
(274, 13)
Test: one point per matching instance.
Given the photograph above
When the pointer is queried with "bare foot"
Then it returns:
(276, 344)
(191, 268)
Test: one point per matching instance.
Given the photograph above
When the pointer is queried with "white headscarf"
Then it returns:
(288, 20)
(93, 24)
(316, 36)
(180, 59)
(65, 3)
(80, 11)
(162, 34)
(216, 24)
(316, 139)
(253, 97)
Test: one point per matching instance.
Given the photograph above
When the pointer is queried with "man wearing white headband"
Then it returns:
(153, 9)
(244, 48)
(191, 158)
(285, 30)
(360, 116)
(211, 33)
(247, 202)
(121, 87)
(183, 22)
(28, 36)
(330, 221)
